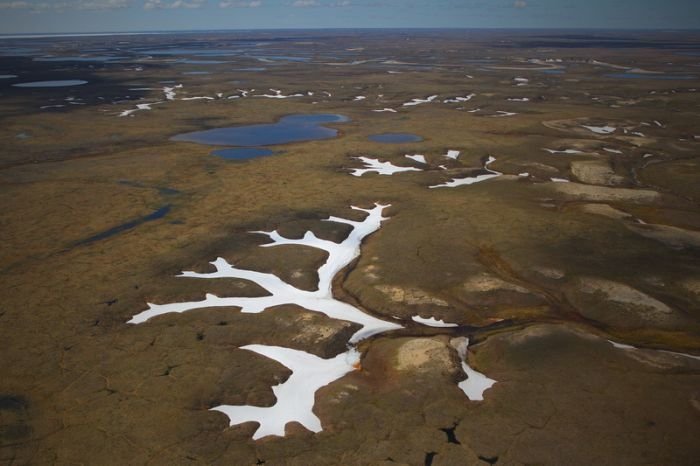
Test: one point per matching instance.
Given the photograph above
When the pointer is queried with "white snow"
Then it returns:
(600, 129)
(471, 179)
(476, 383)
(474, 110)
(612, 151)
(501, 113)
(295, 396)
(280, 292)
(519, 99)
(420, 101)
(433, 322)
(630, 347)
(418, 158)
(198, 98)
(637, 133)
(385, 110)
(523, 175)
(560, 180)
(359, 97)
(455, 100)
(278, 95)
(170, 91)
(452, 154)
(139, 107)
(381, 168)
(566, 151)
(51, 106)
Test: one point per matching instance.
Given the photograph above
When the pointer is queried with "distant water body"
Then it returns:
(292, 128)
(58, 83)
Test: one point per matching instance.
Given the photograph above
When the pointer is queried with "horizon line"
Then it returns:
(37, 35)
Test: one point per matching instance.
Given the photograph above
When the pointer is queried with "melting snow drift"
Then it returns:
(476, 383)
(433, 322)
(295, 397)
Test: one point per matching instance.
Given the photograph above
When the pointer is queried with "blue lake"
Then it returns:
(552, 71)
(58, 83)
(292, 128)
(242, 153)
(395, 138)
(665, 77)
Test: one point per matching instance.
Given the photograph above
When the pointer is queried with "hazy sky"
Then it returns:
(29, 16)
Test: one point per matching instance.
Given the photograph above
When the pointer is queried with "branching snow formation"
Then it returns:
(295, 396)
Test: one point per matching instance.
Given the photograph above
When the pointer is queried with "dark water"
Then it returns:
(104, 58)
(665, 77)
(292, 128)
(553, 71)
(196, 52)
(58, 83)
(242, 153)
(189, 61)
(283, 58)
(395, 138)
(160, 213)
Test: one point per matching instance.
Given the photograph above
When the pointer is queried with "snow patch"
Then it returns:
(501, 113)
(295, 396)
(566, 151)
(455, 100)
(420, 101)
(452, 154)
(471, 179)
(418, 158)
(278, 95)
(433, 322)
(381, 168)
(280, 292)
(476, 383)
(600, 129)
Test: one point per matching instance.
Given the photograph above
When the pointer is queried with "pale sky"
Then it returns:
(42, 16)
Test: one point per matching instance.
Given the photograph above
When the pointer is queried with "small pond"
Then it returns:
(292, 128)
